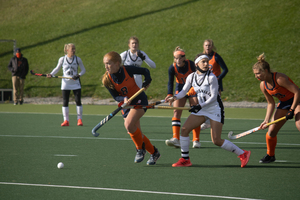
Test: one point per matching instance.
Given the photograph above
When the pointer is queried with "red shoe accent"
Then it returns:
(79, 122)
(244, 158)
(182, 163)
(65, 123)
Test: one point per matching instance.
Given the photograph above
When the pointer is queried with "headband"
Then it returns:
(200, 58)
(179, 52)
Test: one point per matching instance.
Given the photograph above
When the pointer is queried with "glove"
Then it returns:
(120, 104)
(146, 83)
(75, 77)
(141, 55)
(290, 114)
(195, 108)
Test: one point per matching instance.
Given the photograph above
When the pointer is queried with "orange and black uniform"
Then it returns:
(284, 96)
(181, 73)
(125, 86)
(215, 64)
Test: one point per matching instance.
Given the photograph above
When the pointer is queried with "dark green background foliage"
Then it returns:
(241, 31)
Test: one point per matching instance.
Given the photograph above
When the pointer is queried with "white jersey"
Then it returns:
(207, 89)
(129, 58)
(70, 68)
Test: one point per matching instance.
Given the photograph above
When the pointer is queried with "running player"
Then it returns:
(180, 69)
(119, 81)
(215, 64)
(275, 84)
(69, 63)
(135, 57)
(210, 107)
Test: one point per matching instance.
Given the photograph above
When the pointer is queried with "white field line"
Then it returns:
(129, 139)
(124, 190)
(62, 155)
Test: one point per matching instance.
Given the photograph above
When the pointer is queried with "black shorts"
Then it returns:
(285, 105)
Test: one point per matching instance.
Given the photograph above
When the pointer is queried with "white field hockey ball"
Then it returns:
(60, 165)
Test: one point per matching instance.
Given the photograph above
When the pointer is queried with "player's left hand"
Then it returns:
(141, 55)
(75, 77)
(195, 108)
(146, 83)
(290, 114)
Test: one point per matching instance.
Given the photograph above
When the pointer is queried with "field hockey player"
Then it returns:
(279, 85)
(210, 107)
(69, 63)
(119, 81)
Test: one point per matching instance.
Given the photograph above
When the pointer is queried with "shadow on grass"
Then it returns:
(100, 26)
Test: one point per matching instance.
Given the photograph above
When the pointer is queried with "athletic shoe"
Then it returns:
(173, 142)
(79, 122)
(267, 159)
(244, 158)
(21, 102)
(196, 144)
(65, 123)
(205, 126)
(15, 103)
(154, 157)
(182, 163)
(140, 154)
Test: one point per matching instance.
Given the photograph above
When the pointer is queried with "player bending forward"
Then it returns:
(210, 107)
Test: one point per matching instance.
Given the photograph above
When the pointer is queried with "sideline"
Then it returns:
(124, 190)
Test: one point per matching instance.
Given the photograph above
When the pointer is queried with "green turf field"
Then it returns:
(32, 143)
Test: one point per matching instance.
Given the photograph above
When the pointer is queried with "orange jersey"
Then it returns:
(278, 91)
(128, 87)
(181, 78)
(214, 66)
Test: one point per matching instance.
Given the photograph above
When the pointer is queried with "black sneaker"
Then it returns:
(154, 157)
(267, 159)
(140, 154)
(21, 102)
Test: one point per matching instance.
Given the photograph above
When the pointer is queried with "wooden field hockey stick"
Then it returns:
(36, 74)
(111, 115)
(233, 137)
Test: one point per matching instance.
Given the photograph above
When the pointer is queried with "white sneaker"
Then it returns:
(196, 144)
(173, 142)
(205, 126)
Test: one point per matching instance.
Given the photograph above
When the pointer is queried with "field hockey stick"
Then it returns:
(36, 74)
(233, 137)
(158, 107)
(111, 115)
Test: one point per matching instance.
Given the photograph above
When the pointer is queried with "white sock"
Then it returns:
(65, 111)
(184, 143)
(79, 112)
(229, 146)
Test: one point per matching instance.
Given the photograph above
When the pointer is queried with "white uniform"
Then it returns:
(70, 68)
(206, 87)
(129, 58)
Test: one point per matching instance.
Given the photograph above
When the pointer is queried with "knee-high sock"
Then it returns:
(184, 144)
(137, 138)
(176, 127)
(196, 134)
(271, 144)
(79, 112)
(229, 146)
(65, 111)
(148, 146)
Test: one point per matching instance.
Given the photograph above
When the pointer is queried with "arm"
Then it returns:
(81, 66)
(115, 95)
(221, 62)
(171, 73)
(148, 61)
(10, 65)
(139, 70)
(270, 106)
(57, 68)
